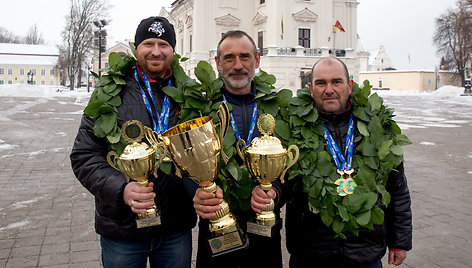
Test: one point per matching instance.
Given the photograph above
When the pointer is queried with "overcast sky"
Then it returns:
(403, 27)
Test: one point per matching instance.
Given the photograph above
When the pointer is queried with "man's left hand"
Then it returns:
(396, 257)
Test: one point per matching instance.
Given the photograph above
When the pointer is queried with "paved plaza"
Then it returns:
(46, 216)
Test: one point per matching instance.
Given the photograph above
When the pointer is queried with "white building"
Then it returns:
(22, 63)
(291, 34)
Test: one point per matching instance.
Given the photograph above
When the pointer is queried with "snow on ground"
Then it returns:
(46, 92)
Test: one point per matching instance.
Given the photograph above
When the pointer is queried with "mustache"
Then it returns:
(245, 72)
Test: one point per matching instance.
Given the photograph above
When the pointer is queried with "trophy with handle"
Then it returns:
(195, 148)
(266, 160)
(136, 162)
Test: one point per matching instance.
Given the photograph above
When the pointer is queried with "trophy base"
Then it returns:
(147, 222)
(227, 243)
(262, 228)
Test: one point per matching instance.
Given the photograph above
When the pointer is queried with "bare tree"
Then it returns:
(33, 36)
(78, 36)
(453, 37)
(8, 37)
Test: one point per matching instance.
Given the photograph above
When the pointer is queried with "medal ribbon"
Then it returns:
(163, 118)
(338, 157)
(251, 127)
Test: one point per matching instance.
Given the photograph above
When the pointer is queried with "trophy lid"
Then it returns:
(136, 150)
(133, 132)
(266, 144)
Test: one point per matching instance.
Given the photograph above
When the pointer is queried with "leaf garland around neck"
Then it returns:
(379, 152)
(204, 98)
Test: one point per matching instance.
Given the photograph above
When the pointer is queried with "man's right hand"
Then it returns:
(206, 204)
(134, 194)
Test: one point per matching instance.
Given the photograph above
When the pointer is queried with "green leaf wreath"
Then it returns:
(379, 152)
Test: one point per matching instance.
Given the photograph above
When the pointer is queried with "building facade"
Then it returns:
(28, 64)
(419, 80)
(291, 35)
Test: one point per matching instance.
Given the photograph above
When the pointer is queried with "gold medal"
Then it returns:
(340, 182)
(349, 184)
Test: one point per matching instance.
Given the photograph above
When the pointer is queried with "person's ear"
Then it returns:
(312, 93)
(217, 63)
(258, 59)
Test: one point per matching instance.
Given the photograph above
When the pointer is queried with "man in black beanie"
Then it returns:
(168, 244)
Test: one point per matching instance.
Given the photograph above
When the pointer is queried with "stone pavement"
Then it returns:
(46, 216)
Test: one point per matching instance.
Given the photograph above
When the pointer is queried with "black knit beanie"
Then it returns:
(155, 27)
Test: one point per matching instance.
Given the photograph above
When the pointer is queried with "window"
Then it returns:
(260, 40)
(1, 82)
(10, 71)
(51, 82)
(51, 72)
(304, 38)
(33, 71)
(107, 64)
(22, 71)
(43, 72)
(262, 2)
(10, 82)
(43, 83)
(190, 43)
(2, 71)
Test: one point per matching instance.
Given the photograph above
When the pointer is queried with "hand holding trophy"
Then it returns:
(195, 147)
(266, 160)
(136, 162)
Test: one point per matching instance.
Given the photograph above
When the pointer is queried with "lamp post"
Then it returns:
(100, 41)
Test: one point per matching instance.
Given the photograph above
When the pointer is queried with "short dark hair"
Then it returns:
(235, 34)
(336, 59)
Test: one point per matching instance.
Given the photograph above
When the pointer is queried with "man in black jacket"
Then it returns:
(237, 59)
(118, 202)
(309, 241)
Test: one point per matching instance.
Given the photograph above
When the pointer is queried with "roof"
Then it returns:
(24, 49)
(24, 54)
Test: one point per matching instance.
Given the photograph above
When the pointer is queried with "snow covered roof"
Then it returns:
(23, 54)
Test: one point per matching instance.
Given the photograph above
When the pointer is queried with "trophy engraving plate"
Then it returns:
(259, 229)
(147, 222)
(225, 242)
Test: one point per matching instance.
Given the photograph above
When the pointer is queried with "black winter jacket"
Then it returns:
(310, 242)
(113, 218)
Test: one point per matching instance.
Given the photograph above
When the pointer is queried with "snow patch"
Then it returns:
(427, 143)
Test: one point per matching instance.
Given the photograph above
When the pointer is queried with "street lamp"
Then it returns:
(100, 41)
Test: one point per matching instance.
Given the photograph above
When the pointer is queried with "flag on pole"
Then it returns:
(282, 24)
(339, 26)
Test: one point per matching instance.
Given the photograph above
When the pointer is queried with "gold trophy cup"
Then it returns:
(195, 147)
(266, 160)
(136, 162)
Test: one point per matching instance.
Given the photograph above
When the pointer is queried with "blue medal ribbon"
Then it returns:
(342, 163)
(251, 127)
(163, 118)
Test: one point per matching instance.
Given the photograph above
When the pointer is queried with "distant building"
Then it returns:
(373, 60)
(418, 80)
(118, 48)
(290, 34)
(28, 64)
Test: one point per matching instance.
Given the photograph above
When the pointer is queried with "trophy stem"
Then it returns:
(224, 222)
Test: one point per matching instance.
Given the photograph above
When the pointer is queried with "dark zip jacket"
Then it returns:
(113, 218)
(310, 242)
